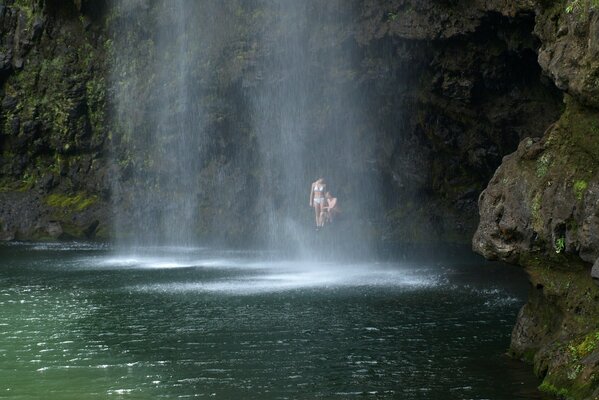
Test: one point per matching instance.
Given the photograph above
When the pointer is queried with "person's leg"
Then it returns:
(319, 220)
(316, 213)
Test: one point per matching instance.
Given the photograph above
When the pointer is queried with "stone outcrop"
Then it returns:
(570, 48)
(543, 198)
(541, 210)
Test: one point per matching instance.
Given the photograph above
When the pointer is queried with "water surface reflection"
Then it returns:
(81, 322)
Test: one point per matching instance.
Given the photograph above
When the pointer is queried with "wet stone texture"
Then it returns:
(541, 210)
(449, 89)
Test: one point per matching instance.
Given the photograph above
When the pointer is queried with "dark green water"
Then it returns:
(78, 322)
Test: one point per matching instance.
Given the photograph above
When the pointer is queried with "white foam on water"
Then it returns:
(60, 246)
(153, 262)
(175, 257)
(250, 272)
(284, 276)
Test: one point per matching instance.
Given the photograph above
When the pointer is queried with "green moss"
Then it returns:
(582, 7)
(580, 187)
(582, 126)
(27, 182)
(78, 202)
(26, 7)
(586, 346)
(96, 95)
(543, 164)
(548, 388)
(527, 356)
(566, 286)
(559, 245)
(537, 217)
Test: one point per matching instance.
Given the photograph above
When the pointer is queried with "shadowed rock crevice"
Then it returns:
(464, 101)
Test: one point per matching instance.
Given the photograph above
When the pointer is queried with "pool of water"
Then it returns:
(83, 321)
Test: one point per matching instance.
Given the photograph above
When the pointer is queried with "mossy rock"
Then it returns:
(77, 202)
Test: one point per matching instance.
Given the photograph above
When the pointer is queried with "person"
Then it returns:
(329, 208)
(317, 199)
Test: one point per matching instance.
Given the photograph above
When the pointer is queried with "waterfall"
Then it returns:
(309, 121)
(159, 119)
(225, 112)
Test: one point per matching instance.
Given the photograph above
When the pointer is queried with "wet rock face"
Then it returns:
(468, 89)
(558, 329)
(450, 88)
(52, 121)
(570, 49)
(537, 320)
(543, 199)
(540, 210)
(434, 20)
(595, 272)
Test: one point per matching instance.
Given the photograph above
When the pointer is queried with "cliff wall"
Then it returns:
(540, 210)
(53, 127)
(447, 90)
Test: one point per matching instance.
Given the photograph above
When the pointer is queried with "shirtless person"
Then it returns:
(329, 209)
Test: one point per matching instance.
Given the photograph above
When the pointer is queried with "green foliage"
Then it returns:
(78, 202)
(27, 182)
(580, 187)
(25, 6)
(579, 351)
(392, 16)
(552, 390)
(585, 347)
(96, 97)
(560, 245)
(581, 5)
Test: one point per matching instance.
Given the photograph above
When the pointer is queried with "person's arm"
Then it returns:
(311, 194)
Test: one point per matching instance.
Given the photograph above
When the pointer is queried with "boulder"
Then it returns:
(595, 272)
(543, 198)
(54, 229)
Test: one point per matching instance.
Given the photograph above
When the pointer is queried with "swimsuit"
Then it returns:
(318, 189)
